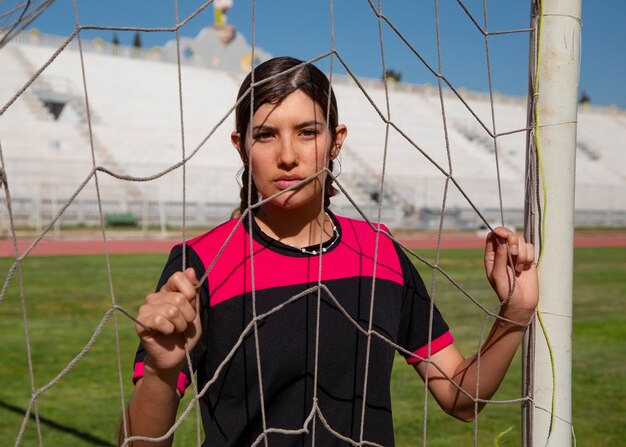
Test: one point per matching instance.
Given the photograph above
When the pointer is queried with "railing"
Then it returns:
(35, 214)
(34, 37)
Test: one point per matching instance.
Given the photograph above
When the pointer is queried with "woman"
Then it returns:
(306, 277)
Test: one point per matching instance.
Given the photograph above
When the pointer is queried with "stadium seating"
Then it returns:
(136, 133)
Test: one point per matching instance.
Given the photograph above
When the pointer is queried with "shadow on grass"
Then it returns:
(86, 437)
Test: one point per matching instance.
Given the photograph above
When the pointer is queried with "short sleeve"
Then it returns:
(417, 335)
(175, 264)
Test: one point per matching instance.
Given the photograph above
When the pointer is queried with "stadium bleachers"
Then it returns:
(135, 115)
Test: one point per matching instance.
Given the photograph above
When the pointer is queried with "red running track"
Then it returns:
(77, 247)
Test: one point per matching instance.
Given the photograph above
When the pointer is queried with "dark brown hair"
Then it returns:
(274, 80)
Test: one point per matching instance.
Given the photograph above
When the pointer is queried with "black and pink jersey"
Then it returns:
(313, 316)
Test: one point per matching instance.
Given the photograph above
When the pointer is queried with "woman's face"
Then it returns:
(290, 141)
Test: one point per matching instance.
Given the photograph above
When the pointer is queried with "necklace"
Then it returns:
(327, 245)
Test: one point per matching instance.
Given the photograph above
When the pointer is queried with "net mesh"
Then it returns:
(119, 318)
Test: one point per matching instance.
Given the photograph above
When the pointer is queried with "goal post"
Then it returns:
(555, 62)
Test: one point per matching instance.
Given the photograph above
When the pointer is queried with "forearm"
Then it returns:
(512, 273)
(480, 375)
(152, 410)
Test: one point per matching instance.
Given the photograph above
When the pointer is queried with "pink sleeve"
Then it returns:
(181, 385)
(436, 345)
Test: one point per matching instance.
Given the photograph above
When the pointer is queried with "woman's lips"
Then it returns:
(285, 183)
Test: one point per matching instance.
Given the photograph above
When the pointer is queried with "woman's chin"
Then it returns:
(294, 201)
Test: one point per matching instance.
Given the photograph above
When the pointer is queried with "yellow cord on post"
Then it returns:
(496, 441)
(544, 330)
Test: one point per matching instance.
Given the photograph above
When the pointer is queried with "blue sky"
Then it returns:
(303, 29)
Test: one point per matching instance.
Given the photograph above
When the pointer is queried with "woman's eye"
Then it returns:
(309, 133)
(262, 136)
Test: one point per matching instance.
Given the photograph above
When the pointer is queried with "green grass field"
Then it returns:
(66, 297)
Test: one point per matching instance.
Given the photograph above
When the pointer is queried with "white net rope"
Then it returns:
(332, 57)
(16, 16)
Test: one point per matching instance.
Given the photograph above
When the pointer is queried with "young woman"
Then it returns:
(307, 277)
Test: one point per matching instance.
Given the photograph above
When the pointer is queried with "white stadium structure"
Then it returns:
(133, 129)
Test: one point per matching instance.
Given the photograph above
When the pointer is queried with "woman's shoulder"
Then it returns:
(366, 236)
(362, 228)
(363, 242)
(213, 239)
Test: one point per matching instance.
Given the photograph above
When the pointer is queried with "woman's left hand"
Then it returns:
(514, 280)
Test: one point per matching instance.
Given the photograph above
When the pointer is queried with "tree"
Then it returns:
(584, 98)
(393, 75)
(116, 39)
(137, 40)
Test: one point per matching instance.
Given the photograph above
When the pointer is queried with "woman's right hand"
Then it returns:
(170, 318)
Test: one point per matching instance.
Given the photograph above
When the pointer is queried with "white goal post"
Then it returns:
(555, 62)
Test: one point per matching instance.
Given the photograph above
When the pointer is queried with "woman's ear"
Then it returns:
(235, 139)
(341, 132)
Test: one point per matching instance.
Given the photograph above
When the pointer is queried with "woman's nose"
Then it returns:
(287, 155)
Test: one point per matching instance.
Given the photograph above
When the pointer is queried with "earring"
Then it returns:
(238, 176)
(338, 159)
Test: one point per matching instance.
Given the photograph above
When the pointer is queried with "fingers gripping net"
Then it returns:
(399, 142)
